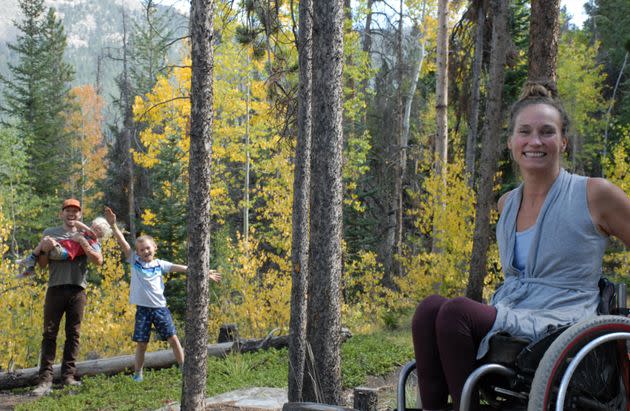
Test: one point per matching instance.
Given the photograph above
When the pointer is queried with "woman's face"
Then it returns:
(537, 141)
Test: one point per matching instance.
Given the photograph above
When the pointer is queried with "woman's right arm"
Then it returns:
(610, 208)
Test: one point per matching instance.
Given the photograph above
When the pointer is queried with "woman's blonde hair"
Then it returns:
(538, 92)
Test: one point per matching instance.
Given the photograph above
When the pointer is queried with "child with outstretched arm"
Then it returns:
(67, 249)
(146, 291)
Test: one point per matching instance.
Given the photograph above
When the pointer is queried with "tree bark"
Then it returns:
(441, 113)
(301, 208)
(323, 313)
(544, 30)
(441, 89)
(491, 147)
(201, 115)
(473, 121)
(128, 129)
(396, 206)
(367, 36)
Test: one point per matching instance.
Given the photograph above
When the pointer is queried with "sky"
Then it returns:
(576, 10)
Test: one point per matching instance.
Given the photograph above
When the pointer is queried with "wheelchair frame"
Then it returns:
(550, 387)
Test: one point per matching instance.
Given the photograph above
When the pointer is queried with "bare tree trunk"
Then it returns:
(441, 89)
(128, 132)
(417, 56)
(201, 115)
(490, 149)
(401, 157)
(367, 36)
(323, 328)
(441, 112)
(473, 122)
(301, 208)
(247, 163)
(544, 30)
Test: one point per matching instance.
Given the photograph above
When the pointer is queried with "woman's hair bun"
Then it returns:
(539, 89)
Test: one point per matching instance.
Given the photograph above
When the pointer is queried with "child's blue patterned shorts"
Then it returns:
(160, 317)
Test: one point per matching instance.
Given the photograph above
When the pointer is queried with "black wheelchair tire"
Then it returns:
(547, 378)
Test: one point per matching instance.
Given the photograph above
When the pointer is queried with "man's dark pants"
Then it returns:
(69, 300)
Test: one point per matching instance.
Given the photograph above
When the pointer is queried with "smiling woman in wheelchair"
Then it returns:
(552, 233)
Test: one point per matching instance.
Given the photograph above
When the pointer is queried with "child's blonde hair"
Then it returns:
(146, 237)
(103, 225)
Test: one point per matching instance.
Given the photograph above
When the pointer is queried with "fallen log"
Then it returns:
(153, 360)
(108, 366)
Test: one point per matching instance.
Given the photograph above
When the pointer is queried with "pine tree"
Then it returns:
(36, 95)
(53, 141)
(150, 40)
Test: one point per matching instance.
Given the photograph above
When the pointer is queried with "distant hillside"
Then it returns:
(94, 29)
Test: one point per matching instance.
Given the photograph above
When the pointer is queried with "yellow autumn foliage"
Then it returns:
(22, 311)
(447, 271)
(107, 325)
(256, 301)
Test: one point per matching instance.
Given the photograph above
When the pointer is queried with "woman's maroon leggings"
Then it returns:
(446, 335)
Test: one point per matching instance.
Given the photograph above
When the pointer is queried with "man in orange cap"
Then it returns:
(65, 295)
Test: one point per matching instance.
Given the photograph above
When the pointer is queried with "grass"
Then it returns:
(362, 355)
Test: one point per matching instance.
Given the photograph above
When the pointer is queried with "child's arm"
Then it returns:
(81, 226)
(93, 255)
(214, 275)
(118, 235)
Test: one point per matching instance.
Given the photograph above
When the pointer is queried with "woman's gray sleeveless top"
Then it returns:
(559, 283)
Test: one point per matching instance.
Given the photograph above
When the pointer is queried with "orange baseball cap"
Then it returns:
(71, 202)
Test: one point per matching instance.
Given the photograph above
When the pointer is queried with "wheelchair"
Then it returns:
(584, 367)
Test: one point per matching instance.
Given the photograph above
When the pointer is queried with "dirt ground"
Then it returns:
(8, 401)
(386, 386)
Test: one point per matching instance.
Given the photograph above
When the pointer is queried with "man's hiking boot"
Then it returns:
(43, 388)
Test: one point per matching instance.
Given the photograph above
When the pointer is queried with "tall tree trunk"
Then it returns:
(201, 115)
(416, 57)
(301, 207)
(367, 36)
(441, 112)
(441, 89)
(396, 212)
(323, 328)
(490, 149)
(128, 126)
(473, 121)
(247, 162)
(544, 30)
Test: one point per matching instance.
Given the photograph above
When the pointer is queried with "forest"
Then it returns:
(426, 86)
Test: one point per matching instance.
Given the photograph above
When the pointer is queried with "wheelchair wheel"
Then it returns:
(408, 394)
(598, 383)
(412, 393)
